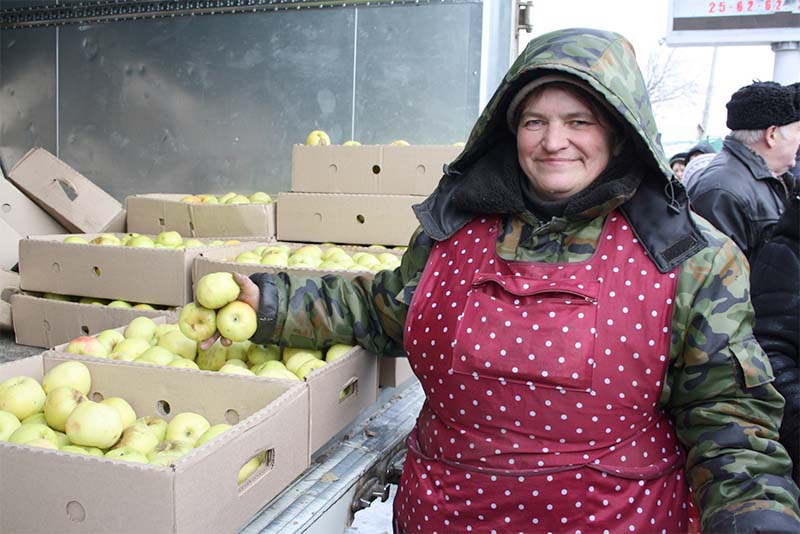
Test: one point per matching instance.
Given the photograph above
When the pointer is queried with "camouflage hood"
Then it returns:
(605, 60)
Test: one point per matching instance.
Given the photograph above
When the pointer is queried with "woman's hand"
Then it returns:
(249, 294)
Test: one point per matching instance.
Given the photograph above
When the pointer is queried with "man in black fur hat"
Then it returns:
(744, 189)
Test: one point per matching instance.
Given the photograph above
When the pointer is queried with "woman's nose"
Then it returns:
(554, 138)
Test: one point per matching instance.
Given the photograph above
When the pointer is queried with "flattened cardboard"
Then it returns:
(71, 493)
(393, 372)
(154, 213)
(71, 198)
(9, 286)
(152, 275)
(369, 169)
(47, 323)
(347, 218)
(9, 245)
(22, 214)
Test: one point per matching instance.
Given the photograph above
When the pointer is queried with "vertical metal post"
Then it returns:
(786, 68)
(703, 126)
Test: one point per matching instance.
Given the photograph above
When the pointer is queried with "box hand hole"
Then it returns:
(85, 330)
(68, 188)
(254, 469)
(75, 512)
(349, 389)
(96, 396)
(163, 408)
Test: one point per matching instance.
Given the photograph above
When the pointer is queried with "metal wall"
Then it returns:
(214, 103)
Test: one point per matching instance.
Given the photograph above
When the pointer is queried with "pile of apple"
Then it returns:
(102, 302)
(259, 197)
(320, 138)
(57, 414)
(168, 239)
(316, 257)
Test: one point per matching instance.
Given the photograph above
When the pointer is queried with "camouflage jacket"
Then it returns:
(718, 384)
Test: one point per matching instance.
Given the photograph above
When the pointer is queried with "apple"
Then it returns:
(167, 452)
(143, 306)
(196, 322)
(142, 328)
(215, 290)
(43, 443)
(238, 199)
(107, 240)
(336, 254)
(61, 439)
(208, 199)
(367, 260)
(288, 352)
(30, 431)
(141, 241)
(187, 427)
(77, 449)
(93, 301)
(88, 346)
(128, 350)
(127, 237)
(94, 424)
(75, 239)
(237, 321)
(249, 468)
(8, 424)
(138, 437)
(400, 142)
(283, 374)
(387, 258)
(126, 413)
(248, 257)
(337, 351)
(155, 356)
(183, 363)
(269, 364)
(318, 137)
(191, 199)
(163, 329)
(232, 369)
(314, 251)
(157, 425)
(38, 417)
(261, 353)
(169, 238)
(56, 296)
(297, 359)
(212, 432)
(119, 304)
(192, 243)
(238, 350)
(74, 374)
(110, 338)
(178, 344)
(212, 358)
(236, 363)
(128, 455)
(276, 259)
(226, 197)
(21, 396)
(351, 143)
(260, 197)
(59, 404)
(308, 366)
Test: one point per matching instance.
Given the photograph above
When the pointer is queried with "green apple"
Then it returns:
(212, 432)
(336, 254)
(310, 250)
(247, 257)
(128, 350)
(76, 449)
(330, 266)
(196, 322)
(367, 260)
(141, 241)
(249, 468)
(308, 366)
(400, 142)
(74, 374)
(110, 338)
(236, 363)
(126, 413)
(260, 197)
(143, 306)
(297, 359)
(261, 353)
(157, 426)
(75, 239)
(192, 243)
(107, 240)
(42, 443)
(178, 344)
(215, 290)
(351, 143)
(288, 352)
(21, 396)
(337, 351)
(163, 329)
(169, 238)
(94, 424)
(155, 356)
(223, 199)
(127, 455)
(283, 374)
(187, 427)
(56, 296)
(318, 137)
(30, 431)
(88, 346)
(8, 424)
(232, 369)
(168, 452)
(237, 321)
(138, 437)
(142, 328)
(269, 364)
(276, 259)
(93, 301)
(238, 350)
(387, 258)
(61, 439)
(191, 199)
(238, 199)
(212, 358)
(208, 199)
(119, 304)
(37, 417)
(59, 404)
(183, 363)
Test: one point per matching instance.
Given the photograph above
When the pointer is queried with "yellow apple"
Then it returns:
(88, 346)
(288, 352)
(261, 353)
(187, 427)
(178, 344)
(94, 425)
(351, 143)
(308, 366)
(196, 322)
(8, 424)
(212, 358)
(276, 259)
(110, 338)
(93, 301)
(249, 468)
(128, 350)
(192, 243)
(183, 363)
(119, 304)
(75, 239)
(141, 241)
(318, 137)
(156, 356)
(143, 306)
(42, 443)
(232, 369)
(107, 240)
(208, 199)
(238, 350)
(260, 197)
(215, 290)
(238, 199)
(142, 328)
(248, 257)
(400, 142)
(297, 359)
(126, 413)
(337, 351)
(127, 455)
(226, 197)
(191, 199)
(156, 425)
(169, 238)
(163, 329)
(37, 417)
(59, 404)
(21, 396)
(212, 433)
(168, 452)
(237, 321)
(56, 296)
(139, 437)
(73, 374)
(30, 431)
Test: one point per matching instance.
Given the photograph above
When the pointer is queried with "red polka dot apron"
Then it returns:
(542, 382)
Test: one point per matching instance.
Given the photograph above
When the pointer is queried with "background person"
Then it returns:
(584, 343)
(678, 163)
(743, 190)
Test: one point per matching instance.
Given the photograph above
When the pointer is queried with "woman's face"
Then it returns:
(562, 144)
(678, 169)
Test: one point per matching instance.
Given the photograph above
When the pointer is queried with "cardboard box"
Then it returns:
(46, 491)
(71, 198)
(9, 245)
(154, 213)
(9, 286)
(347, 218)
(394, 372)
(152, 275)
(47, 323)
(369, 169)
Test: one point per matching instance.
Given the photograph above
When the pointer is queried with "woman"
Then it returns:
(584, 343)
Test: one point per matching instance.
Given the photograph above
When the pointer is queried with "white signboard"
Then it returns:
(727, 22)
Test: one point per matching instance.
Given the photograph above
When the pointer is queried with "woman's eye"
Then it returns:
(532, 123)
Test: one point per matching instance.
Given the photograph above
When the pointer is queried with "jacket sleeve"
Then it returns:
(726, 410)
(725, 211)
(308, 312)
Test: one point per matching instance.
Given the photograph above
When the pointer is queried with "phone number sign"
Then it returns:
(721, 22)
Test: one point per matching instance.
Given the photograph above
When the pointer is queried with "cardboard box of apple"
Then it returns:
(94, 301)
(57, 414)
(229, 198)
(321, 138)
(168, 239)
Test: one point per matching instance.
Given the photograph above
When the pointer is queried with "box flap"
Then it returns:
(71, 198)
(9, 285)
(22, 214)
(9, 245)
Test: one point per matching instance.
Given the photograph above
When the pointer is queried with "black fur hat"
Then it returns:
(763, 104)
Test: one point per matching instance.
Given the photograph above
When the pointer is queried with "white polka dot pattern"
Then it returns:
(540, 374)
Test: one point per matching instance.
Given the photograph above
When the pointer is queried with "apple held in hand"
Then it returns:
(187, 427)
(73, 374)
(8, 424)
(215, 290)
(21, 396)
(237, 321)
(93, 424)
(196, 322)
(318, 137)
